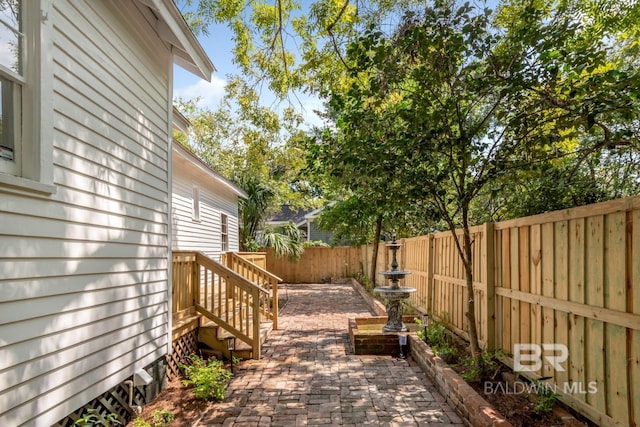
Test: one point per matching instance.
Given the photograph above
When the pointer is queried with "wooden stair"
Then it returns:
(216, 300)
(215, 337)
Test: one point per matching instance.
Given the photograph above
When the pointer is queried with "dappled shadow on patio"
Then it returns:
(308, 374)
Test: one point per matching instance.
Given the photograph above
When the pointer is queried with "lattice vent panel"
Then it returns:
(182, 348)
(115, 402)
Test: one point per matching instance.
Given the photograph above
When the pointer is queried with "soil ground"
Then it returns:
(180, 401)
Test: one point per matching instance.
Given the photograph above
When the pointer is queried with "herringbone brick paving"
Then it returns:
(308, 376)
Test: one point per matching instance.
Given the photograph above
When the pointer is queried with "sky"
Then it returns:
(219, 46)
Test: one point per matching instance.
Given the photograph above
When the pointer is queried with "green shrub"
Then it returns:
(447, 353)
(139, 422)
(208, 377)
(438, 339)
(420, 330)
(437, 334)
(485, 366)
(547, 397)
(162, 418)
(91, 417)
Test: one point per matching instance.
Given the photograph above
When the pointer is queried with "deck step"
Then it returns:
(216, 337)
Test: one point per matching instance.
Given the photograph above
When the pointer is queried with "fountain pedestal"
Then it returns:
(394, 294)
(394, 298)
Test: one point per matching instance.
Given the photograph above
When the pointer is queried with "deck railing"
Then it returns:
(244, 263)
(220, 294)
(257, 258)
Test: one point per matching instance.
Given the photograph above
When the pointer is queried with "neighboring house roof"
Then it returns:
(286, 214)
(185, 153)
(314, 214)
(173, 29)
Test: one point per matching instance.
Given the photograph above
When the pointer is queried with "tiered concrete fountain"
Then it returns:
(371, 335)
(394, 294)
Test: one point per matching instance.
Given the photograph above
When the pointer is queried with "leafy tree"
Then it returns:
(455, 103)
(255, 148)
(252, 210)
(368, 190)
(286, 240)
(291, 45)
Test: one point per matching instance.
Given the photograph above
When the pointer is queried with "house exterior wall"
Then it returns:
(84, 277)
(203, 235)
(315, 234)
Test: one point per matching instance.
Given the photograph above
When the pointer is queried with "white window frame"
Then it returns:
(195, 206)
(224, 232)
(32, 167)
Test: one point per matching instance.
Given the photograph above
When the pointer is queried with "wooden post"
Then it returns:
(276, 308)
(255, 294)
(430, 283)
(195, 280)
(490, 296)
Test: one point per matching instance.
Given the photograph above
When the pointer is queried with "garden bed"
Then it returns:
(500, 406)
(503, 404)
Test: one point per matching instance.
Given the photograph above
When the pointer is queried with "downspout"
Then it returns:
(170, 204)
(137, 409)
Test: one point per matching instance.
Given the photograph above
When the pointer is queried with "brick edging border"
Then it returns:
(474, 410)
(375, 305)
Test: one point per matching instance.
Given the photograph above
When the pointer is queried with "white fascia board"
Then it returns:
(186, 154)
(314, 214)
(173, 29)
(180, 122)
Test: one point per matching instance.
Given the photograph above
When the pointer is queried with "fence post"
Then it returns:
(430, 282)
(489, 301)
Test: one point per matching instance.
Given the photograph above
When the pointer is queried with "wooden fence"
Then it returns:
(570, 277)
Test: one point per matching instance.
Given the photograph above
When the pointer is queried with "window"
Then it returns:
(195, 208)
(26, 89)
(12, 80)
(224, 233)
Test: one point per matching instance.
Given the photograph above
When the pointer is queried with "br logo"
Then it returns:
(528, 357)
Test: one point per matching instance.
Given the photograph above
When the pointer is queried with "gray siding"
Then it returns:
(316, 234)
(84, 277)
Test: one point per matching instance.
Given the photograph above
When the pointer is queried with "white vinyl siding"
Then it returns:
(215, 200)
(84, 272)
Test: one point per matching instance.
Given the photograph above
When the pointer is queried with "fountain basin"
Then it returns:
(394, 294)
(391, 274)
(366, 335)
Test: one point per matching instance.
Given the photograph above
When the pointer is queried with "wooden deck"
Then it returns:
(239, 298)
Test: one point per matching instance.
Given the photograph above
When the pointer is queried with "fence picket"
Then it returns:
(569, 277)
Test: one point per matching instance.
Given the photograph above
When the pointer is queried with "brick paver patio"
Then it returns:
(308, 376)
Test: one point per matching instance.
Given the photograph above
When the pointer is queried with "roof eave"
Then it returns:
(187, 154)
(172, 28)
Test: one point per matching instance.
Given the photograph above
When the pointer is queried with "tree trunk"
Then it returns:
(471, 305)
(376, 245)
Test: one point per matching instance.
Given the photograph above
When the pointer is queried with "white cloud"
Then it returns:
(210, 93)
